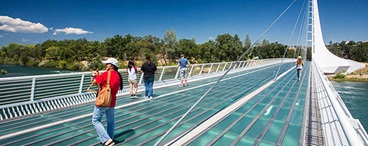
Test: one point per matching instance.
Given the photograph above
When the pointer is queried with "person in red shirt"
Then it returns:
(116, 82)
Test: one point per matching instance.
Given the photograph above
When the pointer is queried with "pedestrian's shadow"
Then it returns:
(120, 137)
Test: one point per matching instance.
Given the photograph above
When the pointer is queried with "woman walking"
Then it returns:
(299, 66)
(132, 79)
(148, 68)
(116, 81)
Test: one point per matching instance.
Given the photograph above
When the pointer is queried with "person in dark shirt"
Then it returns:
(148, 68)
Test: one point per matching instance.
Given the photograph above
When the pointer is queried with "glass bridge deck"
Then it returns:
(273, 116)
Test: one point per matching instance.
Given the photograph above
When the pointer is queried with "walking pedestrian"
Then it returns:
(299, 66)
(115, 82)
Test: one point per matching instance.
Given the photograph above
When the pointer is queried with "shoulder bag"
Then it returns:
(104, 94)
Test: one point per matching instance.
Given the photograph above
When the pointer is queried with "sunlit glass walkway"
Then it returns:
(273, 116)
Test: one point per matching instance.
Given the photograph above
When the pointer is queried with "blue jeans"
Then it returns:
(98, 112)
(148, 83)
(298, 72)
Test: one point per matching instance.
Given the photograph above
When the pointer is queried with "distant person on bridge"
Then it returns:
(132, 79)
(116, 81)
(148, 68)
(182, 63)
(299, 66)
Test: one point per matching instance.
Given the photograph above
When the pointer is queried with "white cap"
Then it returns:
(113, 61)
(299, 57)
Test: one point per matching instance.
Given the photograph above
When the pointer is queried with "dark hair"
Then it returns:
(149, 60)
(130, 64)
(148, 57)
(121, 77)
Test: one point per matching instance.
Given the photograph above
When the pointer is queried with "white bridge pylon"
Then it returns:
(328, 62)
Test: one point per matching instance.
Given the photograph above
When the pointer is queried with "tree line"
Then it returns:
(75, 54)
(357, 51)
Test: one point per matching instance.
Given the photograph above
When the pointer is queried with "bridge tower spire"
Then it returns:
(328, 62)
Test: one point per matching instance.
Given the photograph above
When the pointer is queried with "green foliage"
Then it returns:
(31, 62)
(3, 71)
(51, 64)
(67, 54)
(74, 66)
(339, 76)
(62, 64)
(357, 51)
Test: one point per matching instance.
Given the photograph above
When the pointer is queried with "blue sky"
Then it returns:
(34, 21)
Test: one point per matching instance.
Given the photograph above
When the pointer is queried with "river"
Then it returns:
(19, 70)
(355, 97)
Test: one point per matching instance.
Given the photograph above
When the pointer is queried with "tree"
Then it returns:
(170, 41)
(115, 46)
(232, 47)
(209, 52)
(247, 43)
(265, 42)
(188, 47)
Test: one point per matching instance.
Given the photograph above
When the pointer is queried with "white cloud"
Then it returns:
(70, 30)
(210, 38)
(25, 40)
(18, 25)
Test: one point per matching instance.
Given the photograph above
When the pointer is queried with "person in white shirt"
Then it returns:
(299, 66)
(132, 79)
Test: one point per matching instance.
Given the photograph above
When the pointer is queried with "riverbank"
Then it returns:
(360, 75)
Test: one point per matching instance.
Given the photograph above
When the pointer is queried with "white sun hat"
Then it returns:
(113, 61)
(299, 57)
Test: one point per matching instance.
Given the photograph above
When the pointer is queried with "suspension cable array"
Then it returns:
(214, 85)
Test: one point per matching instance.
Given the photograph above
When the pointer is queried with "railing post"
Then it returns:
(162, 73)
(191, 70)
(210, 69)
(140, 80)
(231, 64)
(200, 72)
(218, 66)
(81, 84)
(177, 73)
(33, 89)
(224, 67)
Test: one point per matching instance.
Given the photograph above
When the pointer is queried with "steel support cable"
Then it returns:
(306, 32)
(300, 33)
(289, 42)
(297, 51)
(214, 85)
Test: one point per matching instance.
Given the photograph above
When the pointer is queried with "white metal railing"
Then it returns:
(21, 96)
(340, 128)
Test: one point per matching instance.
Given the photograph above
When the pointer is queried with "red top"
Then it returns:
(114, 84)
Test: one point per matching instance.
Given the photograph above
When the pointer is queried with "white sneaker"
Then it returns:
(146, 97)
